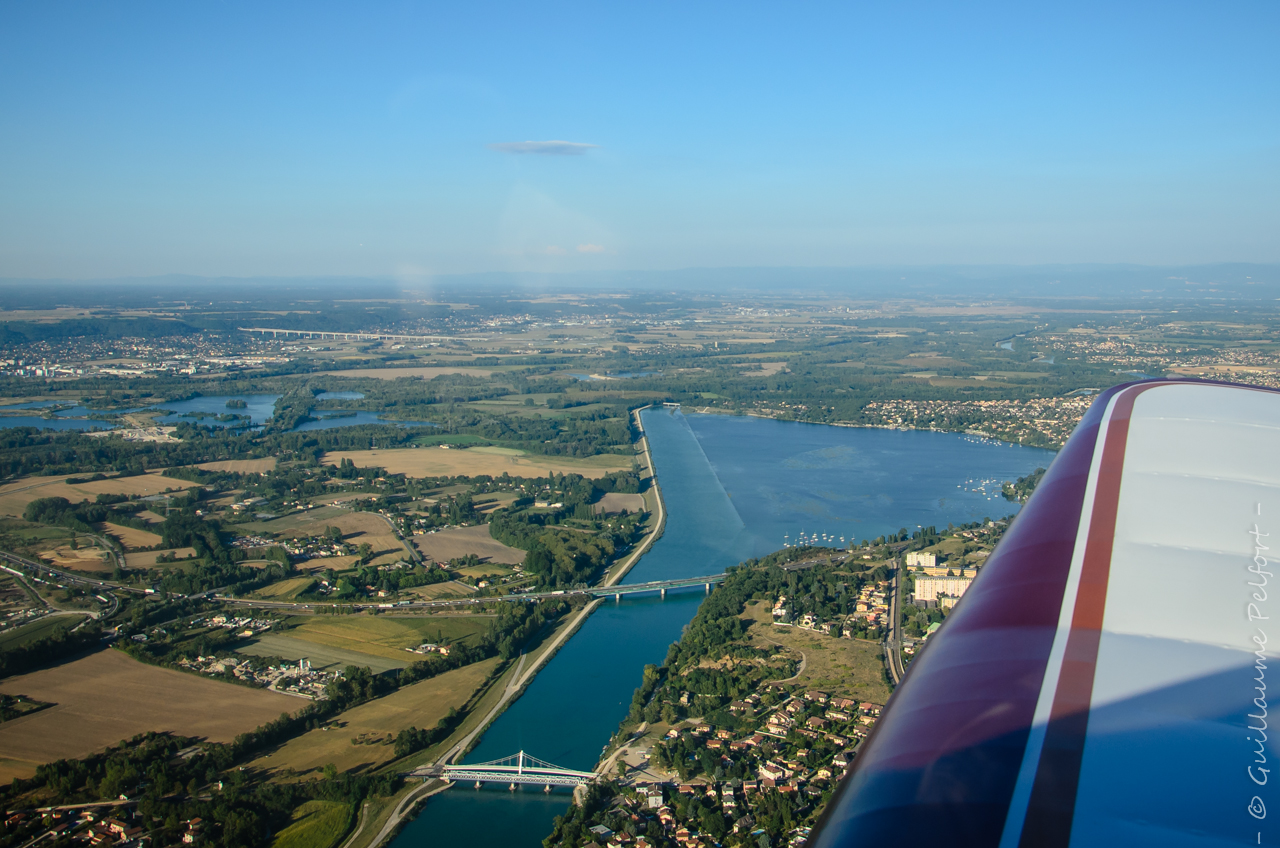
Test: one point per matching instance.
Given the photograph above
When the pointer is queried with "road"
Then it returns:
(68, 577)
(893, 640)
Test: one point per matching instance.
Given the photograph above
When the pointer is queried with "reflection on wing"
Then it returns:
(1104, 681)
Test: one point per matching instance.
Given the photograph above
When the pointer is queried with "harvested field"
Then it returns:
(337, 563)
(241, 466)
(15, 496)
(321, 656)
(453, 462)
(488, 503)
(445, 545)
(147, 559)
(420, 705)
(426, 372)
(291, 522)
(615, 502)
(108, 696)
(129, 537)
(81, 559)
(286, 589)
(437, 591)
(150, 517)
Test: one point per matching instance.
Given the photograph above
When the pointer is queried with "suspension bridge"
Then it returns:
(518, 768)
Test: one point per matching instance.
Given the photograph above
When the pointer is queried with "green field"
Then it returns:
(387, 635)
(39, 629)
(286, 590)
(293, 520)
(316, 824)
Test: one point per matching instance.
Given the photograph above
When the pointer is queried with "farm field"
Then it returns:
(15, 496)
(80, 559)
(849, 667)
(489, 502)
(316, 824)
(322, 657)
(494, 569)
(241, 466)
(108, 696)
(386, 635)
(291, 522)
(286, 590)
(129, 537)
(444, 545)
(438, 591)
(616, 502)
(374, 724)
(337, 563)
(439, 462)
(147, 559)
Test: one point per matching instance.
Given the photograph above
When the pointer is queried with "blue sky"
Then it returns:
(341, 138)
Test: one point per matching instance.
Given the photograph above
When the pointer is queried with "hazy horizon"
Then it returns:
(416, 141)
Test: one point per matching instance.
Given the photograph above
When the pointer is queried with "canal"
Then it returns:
(734, 488)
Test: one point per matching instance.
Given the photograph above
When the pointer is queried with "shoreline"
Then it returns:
(711, 410)
(611, 579)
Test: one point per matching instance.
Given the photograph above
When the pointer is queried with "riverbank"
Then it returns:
(616, 573)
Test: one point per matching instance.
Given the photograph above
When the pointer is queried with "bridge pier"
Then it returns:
(617, 597)
(663, 590)
(708, 589)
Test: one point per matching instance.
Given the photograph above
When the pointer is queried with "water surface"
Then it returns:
(257, 407)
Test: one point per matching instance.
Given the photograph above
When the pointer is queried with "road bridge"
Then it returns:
(353, 337)
(615, 591)
(516, 769)
(660, 586)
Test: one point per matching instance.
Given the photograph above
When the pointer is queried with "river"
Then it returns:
(734, 488)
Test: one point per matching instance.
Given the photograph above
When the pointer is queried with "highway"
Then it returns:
(893, 639)
(69, 577)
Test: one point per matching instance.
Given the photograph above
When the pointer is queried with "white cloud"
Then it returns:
(554, 250)
(590, 248)
(544, 148)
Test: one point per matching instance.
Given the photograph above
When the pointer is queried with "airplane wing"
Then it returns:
(1107, 678)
